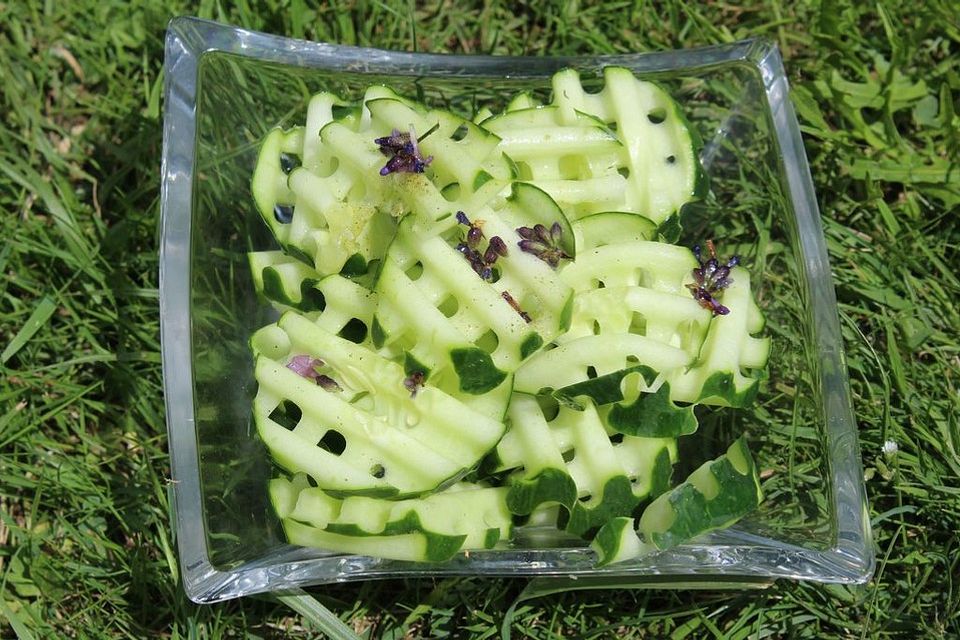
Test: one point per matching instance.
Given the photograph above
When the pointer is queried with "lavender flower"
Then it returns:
(414, 382)
(543, 243)
(516, 306)
(475, 230)
(482, 263)
(404, 152)
(306, 366)
(710, 279)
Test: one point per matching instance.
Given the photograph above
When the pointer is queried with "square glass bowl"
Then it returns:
(226, 87)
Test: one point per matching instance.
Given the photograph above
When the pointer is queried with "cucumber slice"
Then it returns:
(273, 198)
(714, 496)
(718, 376)
(654, 265)
(545, 479)
(576, 162)
(523, 100)
(335, 303)
(428, 288)
(284, 493)
(612, 227)
(285, 282)
(367, 434)
(577, 361)
(570, 460)
(479, 513)
(466, 165)
(661, 149)
(673, 319)
(606, 488)
(537, 135)
(333, 224)
(617, 541)
(416, 547)
(323, 109)
(464, 509)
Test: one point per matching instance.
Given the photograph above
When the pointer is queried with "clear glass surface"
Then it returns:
(226, 87)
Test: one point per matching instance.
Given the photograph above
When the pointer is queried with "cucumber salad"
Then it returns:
(486, 323)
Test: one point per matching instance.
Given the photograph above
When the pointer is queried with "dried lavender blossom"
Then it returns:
(328, 384)
(307, 366)
(710, 279)
(543, 243)
(498, 245)
(481, 263)
(474, 232)
(516, 306)
(402, 147)
(414, 382)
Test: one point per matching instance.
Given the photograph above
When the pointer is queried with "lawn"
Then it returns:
(85, 538)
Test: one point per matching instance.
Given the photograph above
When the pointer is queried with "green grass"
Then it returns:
(85, 539)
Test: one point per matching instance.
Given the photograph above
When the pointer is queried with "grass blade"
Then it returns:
(36, 320)
(18, 627)
(328, 624)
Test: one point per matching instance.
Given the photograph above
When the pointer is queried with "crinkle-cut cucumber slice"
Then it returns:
(367, 433)
(537, 135)
(611, 227)
(427, 288)
(318, 215)
(459, 177)
(660, 147)
(654, 265)
(729, 350)
(617, 541)
(285, 492)
(287, 283)
(633, 401)
(467, 165)
(336, 304)
(529, 443)
(606, 488)
(578, 163)
(332, 224)
(621, 373)
(523, 100)
(591, 357)
(271, 194)
(715, 496)
(479, 513)
(471, 510)
(324, 108)
(674, 319)
(570, 460)
(414, 547)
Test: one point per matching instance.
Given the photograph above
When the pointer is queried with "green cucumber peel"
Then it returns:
(616, 499)
(539, 208)
(603, 389)
(652, 415)
(670, 229)
(549, 486)
(530, 345)
(714, 496)
(722, 386)
(310, 299)
(476, 370)
(617, 541)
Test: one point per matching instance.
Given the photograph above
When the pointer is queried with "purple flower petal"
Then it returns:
(305, 366)
(327, 383)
